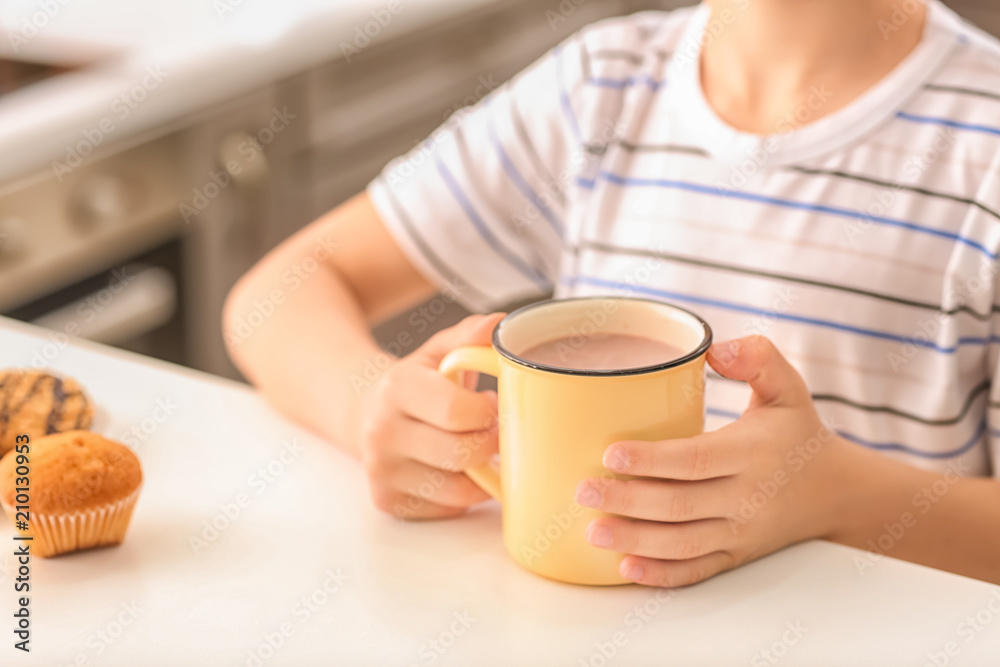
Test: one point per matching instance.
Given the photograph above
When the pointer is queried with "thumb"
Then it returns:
(756, 360)
(473, 330)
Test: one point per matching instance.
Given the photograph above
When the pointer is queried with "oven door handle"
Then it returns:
(140, 300)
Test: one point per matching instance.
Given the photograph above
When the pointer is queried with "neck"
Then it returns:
(769, 55)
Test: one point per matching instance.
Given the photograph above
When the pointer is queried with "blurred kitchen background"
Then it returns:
(151, 151)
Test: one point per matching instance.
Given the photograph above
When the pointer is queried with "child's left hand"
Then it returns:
(709, 503)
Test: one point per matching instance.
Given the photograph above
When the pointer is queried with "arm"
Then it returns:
(303, 355)
(460, 204)
(297, 325)
(777, 476)
(942, 521)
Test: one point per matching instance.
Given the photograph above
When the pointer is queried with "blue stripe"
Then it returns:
(976, 340)
(585, 183)
(485, 232)
(522, 185)
(913, 118)
(622, 84)
(722, 413)
(688, 298)
(884, 446)
(995, 433)
(896, 447)
(564, 96)
(786, 203)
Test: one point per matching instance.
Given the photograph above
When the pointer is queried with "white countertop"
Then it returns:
(207, 51)
(308, 565)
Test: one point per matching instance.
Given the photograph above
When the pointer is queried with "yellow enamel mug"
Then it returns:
(555, 423)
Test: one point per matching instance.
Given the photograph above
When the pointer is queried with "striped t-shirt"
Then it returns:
(863, 244)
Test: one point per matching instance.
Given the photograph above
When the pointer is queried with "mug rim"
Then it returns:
(699, 350)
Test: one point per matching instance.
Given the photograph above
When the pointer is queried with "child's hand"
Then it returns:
(723, 498)
(419, 430)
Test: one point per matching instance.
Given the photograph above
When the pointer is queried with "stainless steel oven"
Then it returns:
(104, 252)
(136, 305)
(98, 251)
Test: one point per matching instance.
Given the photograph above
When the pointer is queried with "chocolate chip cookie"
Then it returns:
(38, 404)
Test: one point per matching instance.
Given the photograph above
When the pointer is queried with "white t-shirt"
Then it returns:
(863, 244)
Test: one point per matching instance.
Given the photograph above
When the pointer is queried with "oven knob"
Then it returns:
(98, 201)
(13, 237)
(243, 157)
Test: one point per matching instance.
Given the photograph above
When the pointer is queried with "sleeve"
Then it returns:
(993, 361)
(989, 275)
(479, 207)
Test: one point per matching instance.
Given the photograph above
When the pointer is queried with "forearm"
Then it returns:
(940, 520)
(298, 324)
(303, 356)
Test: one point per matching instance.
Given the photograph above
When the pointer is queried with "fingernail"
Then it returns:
(599, 536)
(588, 495)
(725, 353)
(631, 572)
(616, 459)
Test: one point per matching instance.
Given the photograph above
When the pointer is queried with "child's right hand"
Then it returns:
(418, 430)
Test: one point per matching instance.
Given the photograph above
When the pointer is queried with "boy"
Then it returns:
(816, 178)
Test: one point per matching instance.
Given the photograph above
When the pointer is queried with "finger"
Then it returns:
(675, 573)
(443, 449)
(757, 361)
(670, 541)
(428, 396)
(404, 506)
(656, 500)
(433, 485)
(706, 456)
(469, 380)
(473, 330)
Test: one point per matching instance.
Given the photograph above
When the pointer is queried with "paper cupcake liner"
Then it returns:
(74, 531)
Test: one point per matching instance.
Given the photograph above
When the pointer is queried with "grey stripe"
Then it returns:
(813, 171)
(945, 421)
(962, 91)
(680, 259)
(536, 159)
(432, 257)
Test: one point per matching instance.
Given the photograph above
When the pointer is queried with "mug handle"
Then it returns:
(481, 359)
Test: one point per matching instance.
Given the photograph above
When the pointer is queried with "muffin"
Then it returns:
(36, 404)
(82, 489)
